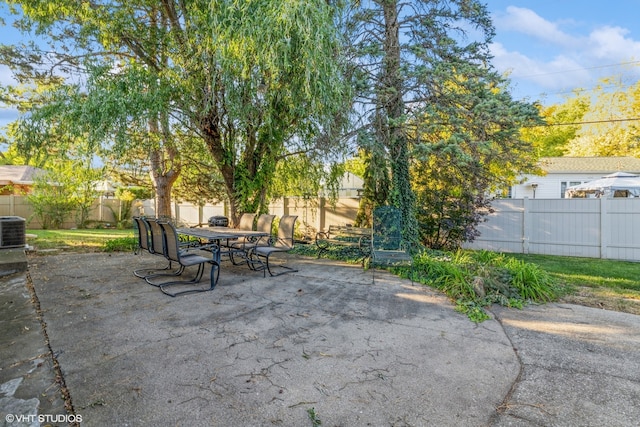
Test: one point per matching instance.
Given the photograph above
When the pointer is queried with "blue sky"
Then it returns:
(548, 48)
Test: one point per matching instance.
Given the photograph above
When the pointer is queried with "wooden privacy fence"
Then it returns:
(595, 228)
(314, 214)
(101, 211)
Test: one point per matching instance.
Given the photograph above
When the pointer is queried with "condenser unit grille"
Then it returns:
(12, 232)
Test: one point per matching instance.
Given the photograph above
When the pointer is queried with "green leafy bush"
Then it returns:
(121, 244)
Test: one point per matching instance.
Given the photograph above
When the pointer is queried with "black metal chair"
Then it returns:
(174, 253)
(151, 239)
(259, 256)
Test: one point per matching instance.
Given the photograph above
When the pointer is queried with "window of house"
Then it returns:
(565, 184)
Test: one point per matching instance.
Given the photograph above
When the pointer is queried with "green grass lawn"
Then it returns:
(86, 240)
(607, 284)
(573, 271)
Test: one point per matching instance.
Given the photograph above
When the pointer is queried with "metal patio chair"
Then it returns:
(151, 239)
(258, 256)
(174, 253)
(264, 224)
(245, 223)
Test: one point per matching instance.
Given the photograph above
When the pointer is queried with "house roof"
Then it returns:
(590, 164)
(10, 174)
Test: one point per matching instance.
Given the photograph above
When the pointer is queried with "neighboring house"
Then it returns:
(350, 185)
(563, 172)
(17, 179)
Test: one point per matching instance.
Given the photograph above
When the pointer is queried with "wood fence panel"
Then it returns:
(342, 213)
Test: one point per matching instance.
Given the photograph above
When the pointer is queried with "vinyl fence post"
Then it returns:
(605, 227)
(526, 224)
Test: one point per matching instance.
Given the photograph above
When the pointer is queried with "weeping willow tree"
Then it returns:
(255, 81)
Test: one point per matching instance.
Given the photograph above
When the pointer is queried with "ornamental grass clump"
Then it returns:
(532, 283)
(475, 280)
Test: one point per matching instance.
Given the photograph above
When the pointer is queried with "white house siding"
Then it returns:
(572, 170)
(550, 186)
(595, 228)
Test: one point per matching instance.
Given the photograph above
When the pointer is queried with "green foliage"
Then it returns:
(348, 254)
(530, 281)
(435, 105)
(377, 183)
(66, 190)
(245, 87)
(313, 417)
(502, 280)
(553, 138)
(602, 133)
(618, 276)
(51, 202)
(83, 240)
(121, 244)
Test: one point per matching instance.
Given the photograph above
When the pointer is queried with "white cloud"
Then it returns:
(526, 21)
(551, 57)
(611, 43)
(558, 73)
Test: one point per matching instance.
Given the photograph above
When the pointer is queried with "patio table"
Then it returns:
(217, 234)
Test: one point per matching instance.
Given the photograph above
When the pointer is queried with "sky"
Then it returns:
(547, 48)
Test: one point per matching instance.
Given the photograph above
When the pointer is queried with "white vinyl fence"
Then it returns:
(595, 228)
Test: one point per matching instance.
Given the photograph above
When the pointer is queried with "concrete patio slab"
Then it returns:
(323, 344)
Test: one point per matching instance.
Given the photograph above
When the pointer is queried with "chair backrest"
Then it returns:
(171, 241)
(246, 221)
(285, 231)
(143, 232)
(265, 223)
(157, 237)
(387, 228)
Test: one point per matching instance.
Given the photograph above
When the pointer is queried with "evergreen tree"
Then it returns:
(435, 104)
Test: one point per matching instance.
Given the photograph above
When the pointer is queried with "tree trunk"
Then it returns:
(391, 92)
(164, 171)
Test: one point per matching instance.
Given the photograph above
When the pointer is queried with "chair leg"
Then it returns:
(193, 280)
(243, 255)
(151, 273)
(264, 265)
(215, 274)
(254, 262)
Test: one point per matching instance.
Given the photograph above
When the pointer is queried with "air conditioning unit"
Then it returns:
(12, 232)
